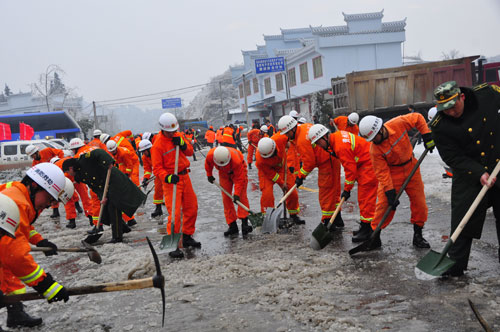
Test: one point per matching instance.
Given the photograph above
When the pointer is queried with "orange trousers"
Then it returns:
(96, 206)
(158, 191)
(229, 211)
(367, 192)
(267, 197)
(329, 187)
(185, 200)
(414, 190)
(70, 207)
(250, 152)
(83, 192)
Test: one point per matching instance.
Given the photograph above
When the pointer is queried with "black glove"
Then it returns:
(292, 169)
(144, 182)
(60, 296)
(48, 286)
(178, 140)
(172, 178)
(211, 179)
(346, 194)
(236, 198)
(391, 198)
(299, 181)
(47, 243)
(428, 141)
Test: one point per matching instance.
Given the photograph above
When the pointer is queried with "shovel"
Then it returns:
(273, 215)
(91, 252)
(434, 264)
(365, 245)
(255, 218)
(171, 241)
(321, 235)
(93, 238)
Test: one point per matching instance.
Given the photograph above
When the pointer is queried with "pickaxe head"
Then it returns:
(158, 279)
(93, 254)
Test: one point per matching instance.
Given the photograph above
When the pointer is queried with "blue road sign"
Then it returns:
(269, 65)
(171, 103)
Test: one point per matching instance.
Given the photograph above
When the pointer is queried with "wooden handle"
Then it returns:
(104, 195)
(287, 194)
(231, 196)
(474, 205)
(61, 249)
(174, 194)
(337, 210)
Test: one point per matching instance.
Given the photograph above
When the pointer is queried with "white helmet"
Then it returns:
(302, 120)
(168, 122)
(97, 132)
(264, 128)
(353, 118)
(145, 144)
(9, 215)
(369, 126)
(146, 135)
(286, 123)
(266, 147)
(222, 156)
(316, 132)
(31, 149)
(111, 145)
(49, 177)
(68, 192)
(294, 114)
(432, 113)
(53, 160)
(76, 143)
(104, 138)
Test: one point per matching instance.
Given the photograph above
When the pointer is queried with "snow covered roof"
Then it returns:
(363, 16)
(273, 37)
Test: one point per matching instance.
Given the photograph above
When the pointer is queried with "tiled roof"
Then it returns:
(273, 37)
(363, 16)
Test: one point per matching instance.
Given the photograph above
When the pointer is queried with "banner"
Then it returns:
(26, 132)
(5, 134)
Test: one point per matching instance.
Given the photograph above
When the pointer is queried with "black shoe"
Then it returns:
(296, 220)
(91, 221)
(364, 233)
(131, 222)
(126, 228)
(418, 239)
(375, 243)
(78, 207)
(16, 316)
(339, 222)
(71, 224)
(157, 212)
(453, 271)
(95, 230)
(359, 229)
(117, 240)
(245, 227)
(55, 214)
(232, 229)
(177, 253)
(188, 241)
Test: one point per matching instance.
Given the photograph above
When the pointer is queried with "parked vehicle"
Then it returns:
(13, 153)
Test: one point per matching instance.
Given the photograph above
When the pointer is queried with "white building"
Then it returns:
(313, 56)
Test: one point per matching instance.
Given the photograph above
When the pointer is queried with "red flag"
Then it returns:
(26, 132)
(5, 134)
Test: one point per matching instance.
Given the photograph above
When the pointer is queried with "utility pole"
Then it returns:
(287, 86)
(246, 105)
(222, 104)
(95, 116)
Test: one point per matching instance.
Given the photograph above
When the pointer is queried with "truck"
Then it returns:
(388, 92)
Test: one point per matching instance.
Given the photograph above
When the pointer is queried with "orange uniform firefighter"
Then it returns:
(210, 136)
(354, 154)
(96, 142)
(218, 135)
(232, 172)
(145, 148)
(163, 158)
(392, 157)
(348, 123)
(228, 138)
(254, 137)
(189, 135)
(42, 155)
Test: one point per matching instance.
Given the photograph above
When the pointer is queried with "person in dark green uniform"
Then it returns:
(466, 131)
(123, 195)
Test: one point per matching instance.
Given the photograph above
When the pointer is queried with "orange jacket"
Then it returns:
(148, 166)
(126, 159)
(15, 253)
(396, 150)
(47, 154)
(189, 138)
(97, 143)
(218, 135)
(228, 135)
(236, 169)
(210, 136)
(305, 150)
(163, 155)
(272, 168)
(122, 140)
(352, 151)
(254, 136)
(342, 123)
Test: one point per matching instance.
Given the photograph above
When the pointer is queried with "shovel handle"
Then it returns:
(474, 205)
(231, 196)
(61, 249)
(287, 194)
(148, 181)
(104, 195)
(337, 210)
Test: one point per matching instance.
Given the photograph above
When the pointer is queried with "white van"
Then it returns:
(13, 153)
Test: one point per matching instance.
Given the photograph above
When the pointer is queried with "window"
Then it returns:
(240, 87)
(255, 85)
(279, 82)
(10, 150)
(491, 75)
(291, 77)
(317, 67)
(247, 88)
(304, 75)
(267, 86)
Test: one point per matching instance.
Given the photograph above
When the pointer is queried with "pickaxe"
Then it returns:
(93, 254)
(157, 281)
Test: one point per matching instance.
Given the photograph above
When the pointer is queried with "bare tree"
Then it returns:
(452, 54)
(44, 86)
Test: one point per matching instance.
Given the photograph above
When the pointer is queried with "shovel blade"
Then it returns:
(256, 219)
(435, 263)
(271, 220)
(170, 241)
(93, 238)
(320, 237)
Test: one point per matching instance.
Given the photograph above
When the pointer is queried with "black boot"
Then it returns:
(365, 231)
(78, 207)
(126, 228)
(71, 224)
(326, 222)
(339, 222)
(177, 253)
(296, 220)
(95, 230)
(418, 239)
(16, 316)
(245, 227)
(55, 213)
(157, 212)
(188, 241)
(131, 222)
(232, 229)
(91, 220)
(358, 230)
(375, 243)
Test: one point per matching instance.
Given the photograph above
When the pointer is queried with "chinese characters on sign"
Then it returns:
(269, 65)
(171, 103)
